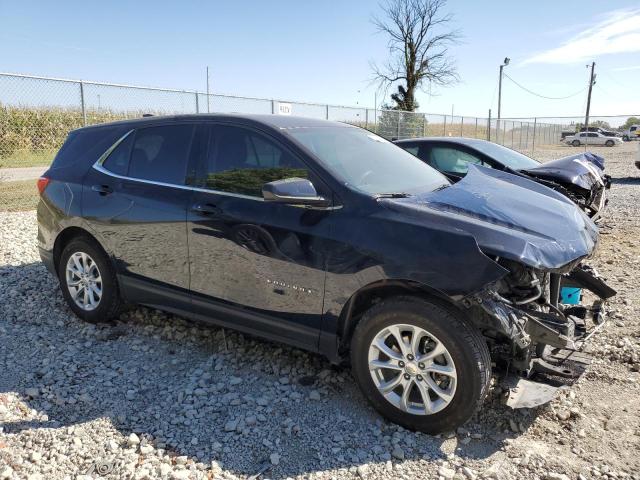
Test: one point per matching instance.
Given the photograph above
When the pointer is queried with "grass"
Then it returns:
(27, 158)
(18, 196)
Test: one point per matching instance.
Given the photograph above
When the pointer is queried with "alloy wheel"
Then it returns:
(412, 369)
(84, 281)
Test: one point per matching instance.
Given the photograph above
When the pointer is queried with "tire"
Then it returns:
(609, 143)
(625, 138)
(576, 143)
(467, 352)
(109, 304)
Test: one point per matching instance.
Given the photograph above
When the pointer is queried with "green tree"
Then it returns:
(630, 121)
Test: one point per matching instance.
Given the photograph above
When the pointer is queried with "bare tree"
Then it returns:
(419, 41)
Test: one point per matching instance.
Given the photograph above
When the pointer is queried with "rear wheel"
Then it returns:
(576, 143)
(609, 143)
(88, 282)
(420, 364)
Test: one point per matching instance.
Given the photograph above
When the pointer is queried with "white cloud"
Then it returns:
(618, 33)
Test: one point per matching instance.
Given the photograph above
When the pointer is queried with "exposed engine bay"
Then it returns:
(538, 341)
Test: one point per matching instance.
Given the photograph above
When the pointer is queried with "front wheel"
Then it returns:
(576, 143)
(609, 143)
(88, 282)
(420, 364)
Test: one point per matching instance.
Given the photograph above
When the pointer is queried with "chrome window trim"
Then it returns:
(106, 154)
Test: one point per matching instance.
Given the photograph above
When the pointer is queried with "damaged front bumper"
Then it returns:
(547, 345)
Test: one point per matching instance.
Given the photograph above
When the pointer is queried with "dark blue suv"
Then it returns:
(326, 237)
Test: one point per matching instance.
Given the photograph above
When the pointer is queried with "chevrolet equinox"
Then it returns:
(327, 237)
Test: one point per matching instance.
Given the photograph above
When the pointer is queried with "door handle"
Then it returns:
(206, 209)
(102, 189)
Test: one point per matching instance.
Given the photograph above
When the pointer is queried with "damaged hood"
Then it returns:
(584, 170)
(509, 216)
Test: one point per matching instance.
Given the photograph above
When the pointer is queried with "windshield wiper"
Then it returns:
(392, 195)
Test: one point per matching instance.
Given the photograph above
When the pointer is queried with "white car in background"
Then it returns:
(592, 138)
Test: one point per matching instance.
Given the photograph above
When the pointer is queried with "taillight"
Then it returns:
(42, 184)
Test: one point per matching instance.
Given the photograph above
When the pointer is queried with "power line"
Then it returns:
(543, 96)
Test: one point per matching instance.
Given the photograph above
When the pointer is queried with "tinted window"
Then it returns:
(118, 160)
(452, 160)
(161, 153)
(241, 161)
(412, 149)
(86, 145)
(367, 162)
(506, 156)
(593, 135)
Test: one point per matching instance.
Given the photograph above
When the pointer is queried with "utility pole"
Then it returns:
(592, 80)
(208, 110)
(506, 62)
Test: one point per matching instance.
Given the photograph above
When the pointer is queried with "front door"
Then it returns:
(267, 258)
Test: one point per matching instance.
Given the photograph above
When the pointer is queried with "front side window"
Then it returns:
(452, 160)
(241, 161)
(161, 153)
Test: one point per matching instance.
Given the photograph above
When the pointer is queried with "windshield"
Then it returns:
(367, 162)
(506, 156)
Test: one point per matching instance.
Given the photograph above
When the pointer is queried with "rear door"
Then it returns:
(267, 259)
(452, 160)
(136, 200)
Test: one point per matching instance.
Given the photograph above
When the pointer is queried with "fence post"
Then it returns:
(197, 106)
(398, 133)
(424, 125)
(327, 114)
(82, 105)
(366, 118)
(461, 126)
(489, 126)
(533, 143)
(444, 127)
(273, 107)
(475, 133)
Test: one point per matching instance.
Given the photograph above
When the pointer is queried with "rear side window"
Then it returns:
(161, 153)
(86, 146)
(118, 160)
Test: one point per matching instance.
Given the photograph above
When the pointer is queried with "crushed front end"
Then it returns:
(537, 340)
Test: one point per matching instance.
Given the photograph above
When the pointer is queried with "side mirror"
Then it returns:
(293, 191)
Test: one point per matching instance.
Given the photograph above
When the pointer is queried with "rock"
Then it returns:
(6, 472)
(32, 392)
(274, 458)
(563, 414)
(556, 476)
(314, 395)
(146, 449)
(469, 473)
(447, 473)
(180, 475)
(35, 457)
(513, 425)
(397, 453)
(131, 394)
(284, 380)
(362, 471)
(133, 440)
(231, 425)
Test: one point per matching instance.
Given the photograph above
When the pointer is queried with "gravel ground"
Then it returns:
(154, 396)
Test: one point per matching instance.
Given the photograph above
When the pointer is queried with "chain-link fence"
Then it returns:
(37, 113)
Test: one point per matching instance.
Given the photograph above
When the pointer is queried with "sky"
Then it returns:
(321, 51)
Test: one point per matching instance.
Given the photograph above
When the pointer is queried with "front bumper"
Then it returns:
(549, 348)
